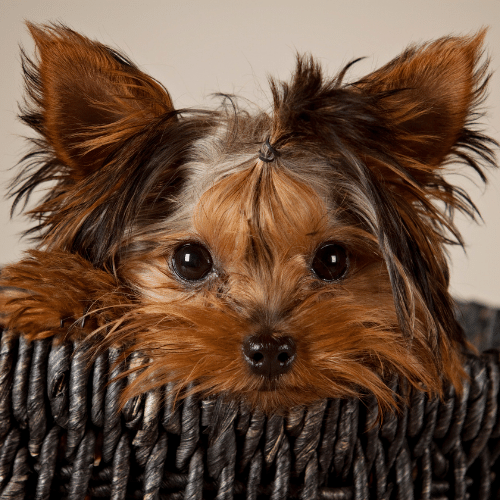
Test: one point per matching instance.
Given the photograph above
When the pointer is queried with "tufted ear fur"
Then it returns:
(428, 98)
(430, 92)
(108, 136)
(88, 97)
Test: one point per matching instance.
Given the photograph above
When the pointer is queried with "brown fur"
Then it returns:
(357, 164)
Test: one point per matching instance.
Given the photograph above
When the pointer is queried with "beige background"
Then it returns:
(199, 47)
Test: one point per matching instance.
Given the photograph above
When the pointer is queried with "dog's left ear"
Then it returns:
(430, 92)
(100, 121)
(88, 98)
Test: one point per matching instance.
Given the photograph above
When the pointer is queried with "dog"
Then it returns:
(277, 257)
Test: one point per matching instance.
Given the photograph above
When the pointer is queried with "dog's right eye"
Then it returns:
(192, 262)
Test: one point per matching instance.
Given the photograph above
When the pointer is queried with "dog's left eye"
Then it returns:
(192, 262)
(331, 262)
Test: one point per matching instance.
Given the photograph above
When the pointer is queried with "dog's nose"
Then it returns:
(269, 356)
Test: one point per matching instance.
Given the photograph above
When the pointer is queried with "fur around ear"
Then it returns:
(88, 97)
(431, 93)
(109, 140)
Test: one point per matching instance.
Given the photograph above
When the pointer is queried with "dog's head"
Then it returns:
(278, 256)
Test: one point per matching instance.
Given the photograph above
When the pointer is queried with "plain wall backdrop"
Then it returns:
(199, 47)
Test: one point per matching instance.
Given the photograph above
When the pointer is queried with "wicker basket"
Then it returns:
(61, 436)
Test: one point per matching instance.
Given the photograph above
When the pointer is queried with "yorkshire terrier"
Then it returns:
(278, 256)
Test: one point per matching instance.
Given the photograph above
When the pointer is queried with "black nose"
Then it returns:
(269, 356)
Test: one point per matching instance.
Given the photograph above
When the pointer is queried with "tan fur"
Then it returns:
(347, 335)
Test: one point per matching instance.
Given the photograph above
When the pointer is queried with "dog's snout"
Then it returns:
(269, 356)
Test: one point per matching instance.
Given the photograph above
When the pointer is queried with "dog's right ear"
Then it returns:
(87, 98)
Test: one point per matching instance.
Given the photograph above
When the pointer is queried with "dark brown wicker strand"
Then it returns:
(62, 436)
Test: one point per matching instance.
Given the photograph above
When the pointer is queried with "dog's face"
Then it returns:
(277, 257)
(267, 290)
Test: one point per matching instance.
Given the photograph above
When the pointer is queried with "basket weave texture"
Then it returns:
(62, 436)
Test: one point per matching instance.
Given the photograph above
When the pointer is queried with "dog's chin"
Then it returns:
(267, 388)
(273, 401)
(278, 396)
(270, 385)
